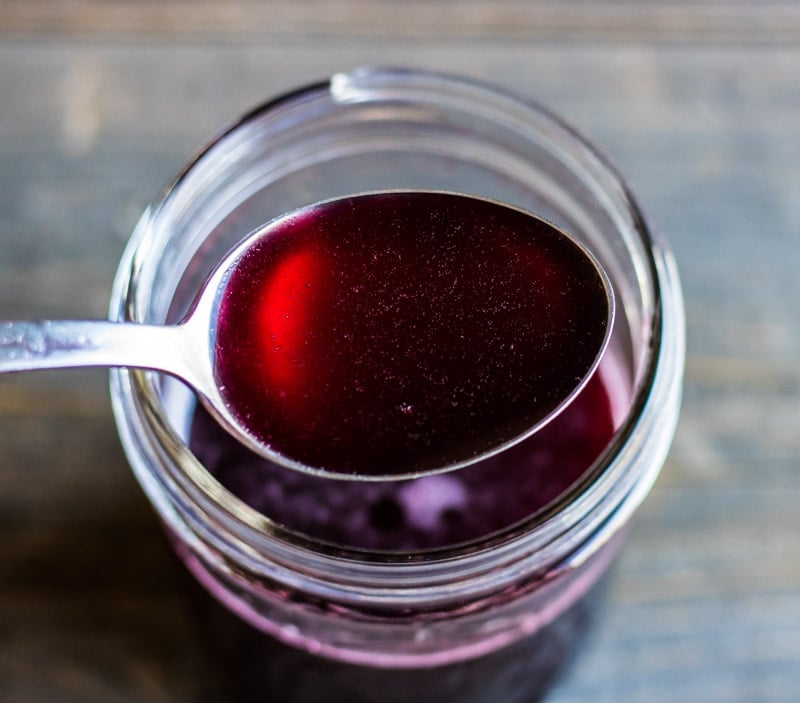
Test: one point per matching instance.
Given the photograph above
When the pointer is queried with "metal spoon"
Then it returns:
(188, 351)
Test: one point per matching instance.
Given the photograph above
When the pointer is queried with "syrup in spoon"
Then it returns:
(379, 336)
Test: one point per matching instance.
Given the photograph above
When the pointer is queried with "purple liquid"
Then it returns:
(383, 334)
(258, 668)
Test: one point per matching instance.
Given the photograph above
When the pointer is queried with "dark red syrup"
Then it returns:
(387, 333)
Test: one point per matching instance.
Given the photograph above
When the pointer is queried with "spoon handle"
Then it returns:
(54, 344)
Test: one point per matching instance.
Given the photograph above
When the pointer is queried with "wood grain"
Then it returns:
(241, 20)
(100, 105)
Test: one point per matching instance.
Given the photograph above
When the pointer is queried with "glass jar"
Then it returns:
(489, 618)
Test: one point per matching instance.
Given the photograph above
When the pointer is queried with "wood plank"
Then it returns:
(241, 20)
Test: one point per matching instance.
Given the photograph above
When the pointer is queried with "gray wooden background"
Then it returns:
(697, 103)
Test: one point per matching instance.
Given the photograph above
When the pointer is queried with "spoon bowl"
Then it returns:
(382, 336)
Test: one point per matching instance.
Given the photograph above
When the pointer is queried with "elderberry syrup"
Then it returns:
(474, 585)
(395, 332)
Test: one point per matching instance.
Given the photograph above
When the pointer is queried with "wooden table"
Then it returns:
(699, 105)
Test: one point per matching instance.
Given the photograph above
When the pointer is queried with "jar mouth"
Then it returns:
(138, 394)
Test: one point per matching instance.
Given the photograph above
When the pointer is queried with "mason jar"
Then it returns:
(469, 586)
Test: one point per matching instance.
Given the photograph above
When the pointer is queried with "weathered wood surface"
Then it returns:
(698, 104)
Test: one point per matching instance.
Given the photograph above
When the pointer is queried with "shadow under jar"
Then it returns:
(468, 586)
